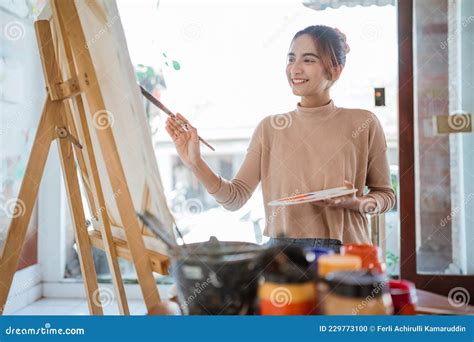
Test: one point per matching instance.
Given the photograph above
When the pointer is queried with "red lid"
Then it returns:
(368, 253)
(402, 292)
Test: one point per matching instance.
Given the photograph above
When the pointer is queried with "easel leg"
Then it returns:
(26, 200)
(89, 83)
(85, 157)
(79, 222)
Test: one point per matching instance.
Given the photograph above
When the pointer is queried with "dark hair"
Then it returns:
(331, 46)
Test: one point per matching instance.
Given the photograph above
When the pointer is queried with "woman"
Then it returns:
(317, 146)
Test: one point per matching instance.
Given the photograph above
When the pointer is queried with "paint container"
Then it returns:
(336, 262)
(356, 293)
(313, 254)
(404, 297)
(287, 286)
(218, 277)
(370, 256)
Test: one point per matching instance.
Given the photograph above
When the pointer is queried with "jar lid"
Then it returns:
(357, 283)
(287, 265)
(334, 263)
(313, 253)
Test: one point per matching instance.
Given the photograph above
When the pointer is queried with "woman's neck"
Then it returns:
(315, 100)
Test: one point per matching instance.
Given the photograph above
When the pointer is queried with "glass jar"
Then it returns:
(356, 293)
(287, 286)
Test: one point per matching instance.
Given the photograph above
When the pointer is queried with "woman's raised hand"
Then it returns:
(186, 142)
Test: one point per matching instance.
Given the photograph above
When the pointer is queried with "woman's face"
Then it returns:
(304, 69)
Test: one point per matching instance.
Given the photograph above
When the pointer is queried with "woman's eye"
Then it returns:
(291, 60)
(309, 61)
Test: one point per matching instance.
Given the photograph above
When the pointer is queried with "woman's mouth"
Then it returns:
(298, 81)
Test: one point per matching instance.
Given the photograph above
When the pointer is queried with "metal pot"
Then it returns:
(217, 277)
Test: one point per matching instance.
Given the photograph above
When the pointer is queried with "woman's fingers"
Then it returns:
(184, 120)
(169, 130)
(175, 125)
(173, 133)
(348, 184)
(329, 202)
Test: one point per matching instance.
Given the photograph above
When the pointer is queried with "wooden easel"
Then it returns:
(60, 121)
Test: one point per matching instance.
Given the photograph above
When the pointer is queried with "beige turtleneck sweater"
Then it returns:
(311, 149)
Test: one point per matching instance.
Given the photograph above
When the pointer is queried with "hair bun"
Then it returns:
(344, 39)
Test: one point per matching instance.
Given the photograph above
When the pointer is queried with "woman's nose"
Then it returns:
(295, 69)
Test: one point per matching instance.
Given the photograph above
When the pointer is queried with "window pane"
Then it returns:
(444, 162)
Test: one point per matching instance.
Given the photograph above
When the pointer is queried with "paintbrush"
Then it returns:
(160, 105)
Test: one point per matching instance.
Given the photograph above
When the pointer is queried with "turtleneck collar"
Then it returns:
(321, 112)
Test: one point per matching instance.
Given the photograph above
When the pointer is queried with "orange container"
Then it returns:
(336, 262)
(287, 299)
(370, 256)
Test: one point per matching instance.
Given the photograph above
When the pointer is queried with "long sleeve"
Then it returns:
(233, 194)
(378, 170)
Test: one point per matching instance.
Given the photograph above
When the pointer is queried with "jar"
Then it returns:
(337, 262)
(403, 295)
(370, 256)
(313, 254)
(287, 286)
(356, 293)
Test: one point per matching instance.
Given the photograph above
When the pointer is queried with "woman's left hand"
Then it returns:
(346, 202)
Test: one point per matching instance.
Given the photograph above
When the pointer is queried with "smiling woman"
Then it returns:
(315, 147)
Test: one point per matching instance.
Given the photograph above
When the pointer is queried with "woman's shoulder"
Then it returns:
(275, 121)
(359, 115)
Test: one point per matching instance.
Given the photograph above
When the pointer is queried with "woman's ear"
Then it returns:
(337, 72)
(335, 75)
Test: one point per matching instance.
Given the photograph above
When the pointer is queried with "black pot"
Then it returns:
(218, 277)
